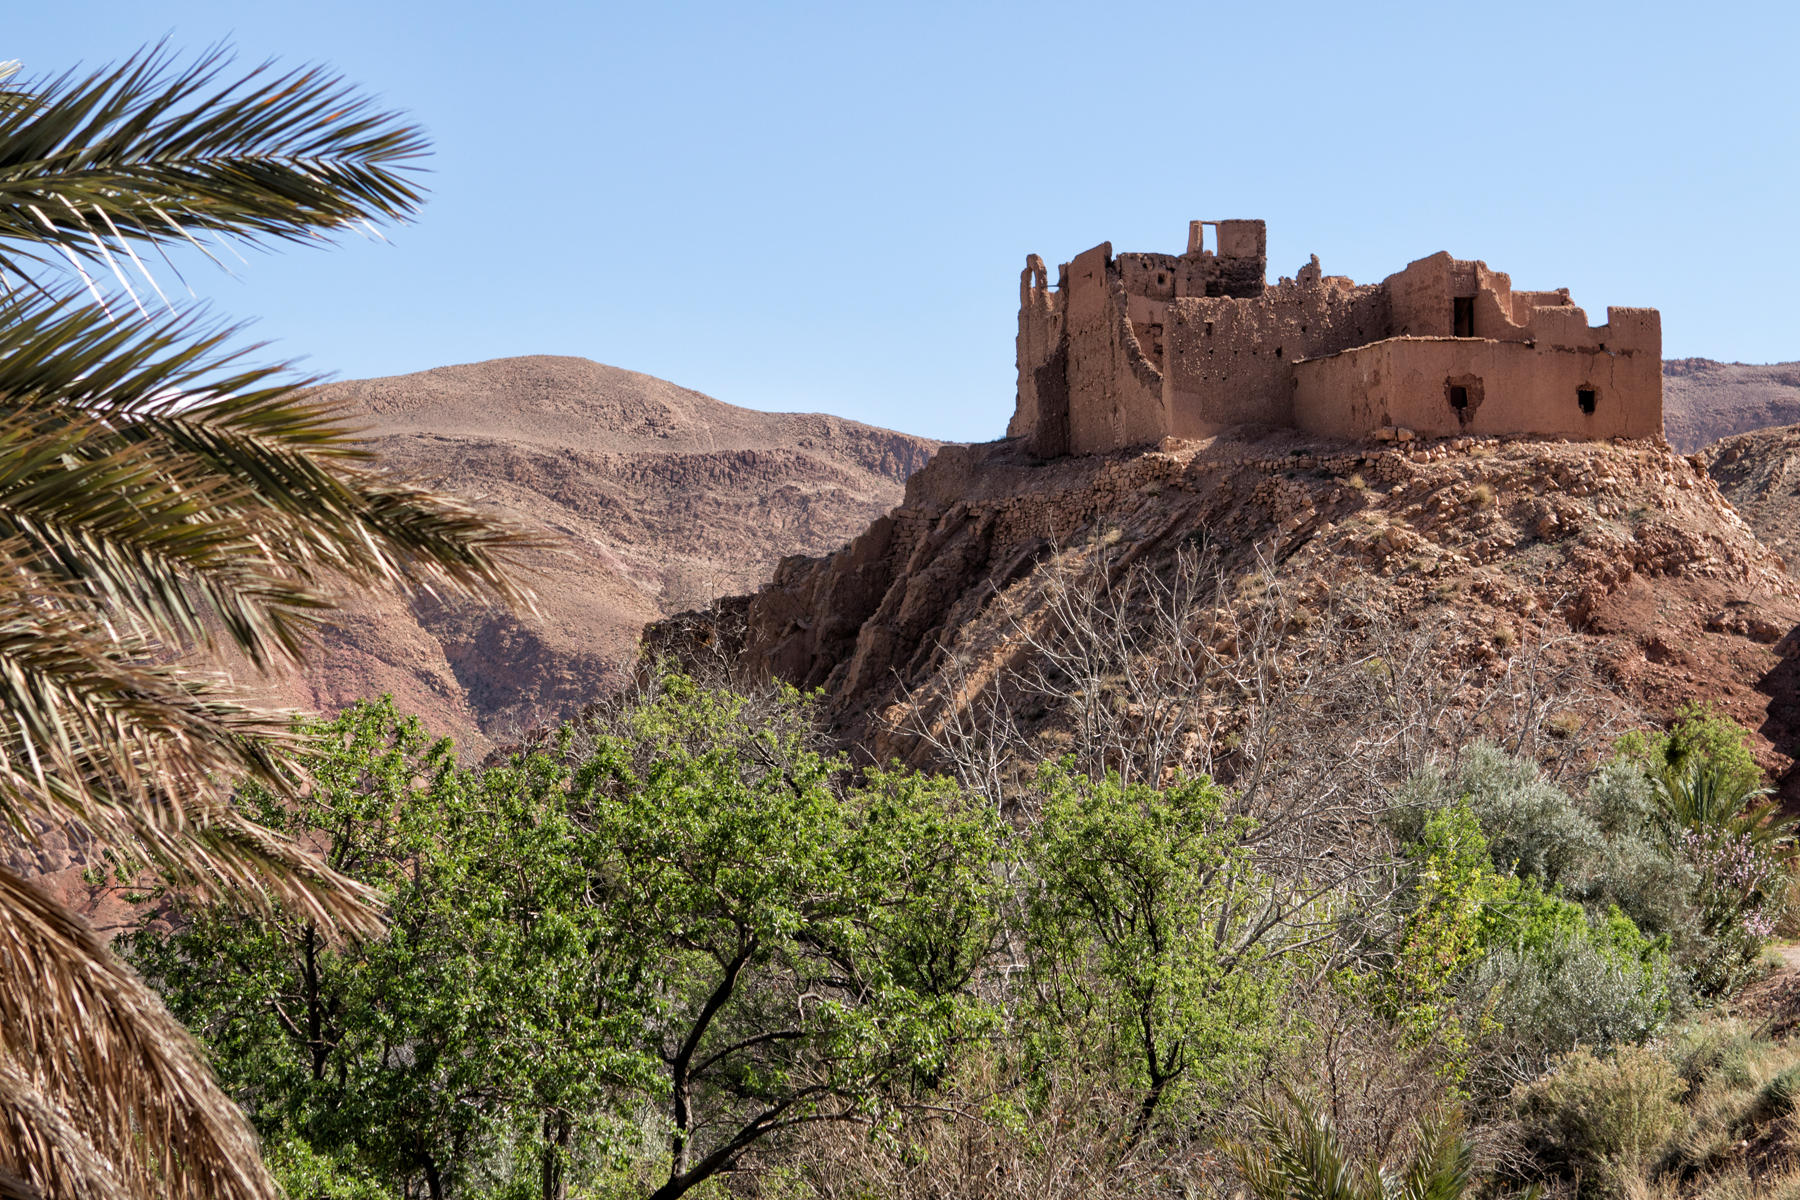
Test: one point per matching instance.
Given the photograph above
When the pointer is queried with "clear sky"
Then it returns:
(826, 207)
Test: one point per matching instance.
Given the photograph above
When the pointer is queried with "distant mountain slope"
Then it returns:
(1760, 474)
(1704, 401)
(664, 497)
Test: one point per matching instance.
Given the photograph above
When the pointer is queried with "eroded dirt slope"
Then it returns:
(1760, 474)
(1624, 554)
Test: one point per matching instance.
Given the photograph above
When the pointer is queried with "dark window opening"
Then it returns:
(1161, 279)
(1278, 352)
(1462, 316)
(1459, 397)
(1586, 398)
(1209, 329)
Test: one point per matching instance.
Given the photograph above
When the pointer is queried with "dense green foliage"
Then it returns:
(687, 918)
(673, 946)
(1148, 934)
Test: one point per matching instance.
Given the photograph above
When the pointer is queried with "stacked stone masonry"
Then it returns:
(1126, 350)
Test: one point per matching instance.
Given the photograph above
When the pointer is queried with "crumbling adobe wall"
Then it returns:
(1120, 389)
(1230, 362)
(1590, 384)
(1042, 415)
(1132, 349)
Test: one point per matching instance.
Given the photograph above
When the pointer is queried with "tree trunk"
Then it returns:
(434, 1182)
(553, 1174)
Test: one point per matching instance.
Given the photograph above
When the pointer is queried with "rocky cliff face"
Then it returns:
(1704, 401)
(1624, 555)
(661, 498)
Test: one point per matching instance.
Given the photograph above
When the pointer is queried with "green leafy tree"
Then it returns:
(809, 954)
(158, 495)
(1154, 942)
(1699, 735)
(683, 912)
(495, 996)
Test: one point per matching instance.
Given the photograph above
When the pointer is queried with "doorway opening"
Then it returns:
(1462, 316)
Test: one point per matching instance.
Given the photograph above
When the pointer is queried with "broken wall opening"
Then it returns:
(1463, 393)
(1588, 396)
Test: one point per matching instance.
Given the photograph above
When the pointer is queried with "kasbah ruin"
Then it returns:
(1129, 349)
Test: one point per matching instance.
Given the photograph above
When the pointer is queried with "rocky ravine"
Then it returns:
(662, 498)
(1704, 401)
(1666, 593)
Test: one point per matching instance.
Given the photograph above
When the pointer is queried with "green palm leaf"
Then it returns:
(148, 153)
(184, 487)
(159, 493)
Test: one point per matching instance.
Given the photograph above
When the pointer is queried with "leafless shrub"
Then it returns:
(1312, 701)
(1305, 698)
(986, 1142)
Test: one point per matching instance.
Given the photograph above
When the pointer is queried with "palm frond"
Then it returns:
(1706, 797)
(188, 486)
(133, 535)
(1443, 1161)
(102, 1093)
(1297, 1155)
(136, 757)
(148, 152)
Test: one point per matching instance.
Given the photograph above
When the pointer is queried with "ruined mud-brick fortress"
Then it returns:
(1129, 349)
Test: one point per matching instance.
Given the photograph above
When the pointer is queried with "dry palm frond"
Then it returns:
(102, 1093)
(134, 755)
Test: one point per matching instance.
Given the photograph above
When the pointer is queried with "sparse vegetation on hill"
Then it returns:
(661, 499)
(1706, 402)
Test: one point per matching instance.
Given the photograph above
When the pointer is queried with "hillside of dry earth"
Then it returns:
(661, 497)
(1704, 401)
(1619, 565)
(1760, 474)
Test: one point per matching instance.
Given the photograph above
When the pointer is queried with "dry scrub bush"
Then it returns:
(1602, 1122)
(1312, 704)
(1353, 1065)
(988, 1141)
(1738, 1105)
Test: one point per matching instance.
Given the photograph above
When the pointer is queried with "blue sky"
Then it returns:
(826, 207)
